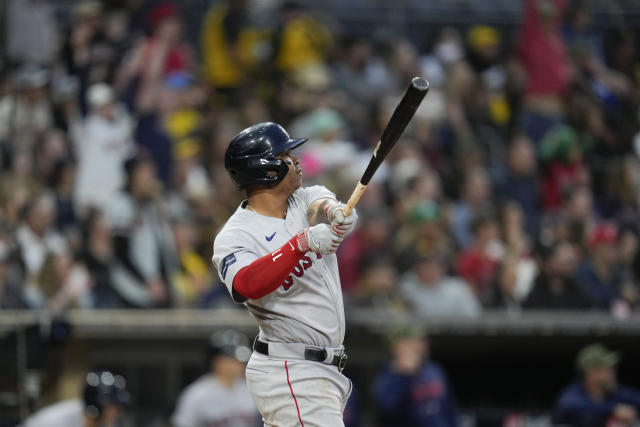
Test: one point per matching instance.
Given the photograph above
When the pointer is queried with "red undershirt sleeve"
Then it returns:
(266, 274)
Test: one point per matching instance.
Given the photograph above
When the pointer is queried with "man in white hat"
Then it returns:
(101, 148)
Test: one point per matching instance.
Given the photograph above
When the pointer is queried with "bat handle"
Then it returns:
(353, 200)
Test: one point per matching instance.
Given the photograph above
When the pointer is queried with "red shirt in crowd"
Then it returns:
(542, 51)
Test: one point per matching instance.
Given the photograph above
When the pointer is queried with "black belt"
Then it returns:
(313, 354)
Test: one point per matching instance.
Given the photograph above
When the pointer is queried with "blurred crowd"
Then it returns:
(515, 187)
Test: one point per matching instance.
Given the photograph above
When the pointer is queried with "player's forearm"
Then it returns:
(316, 212)
(268, 273)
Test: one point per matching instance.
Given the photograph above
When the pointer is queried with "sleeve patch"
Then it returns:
(226, 262)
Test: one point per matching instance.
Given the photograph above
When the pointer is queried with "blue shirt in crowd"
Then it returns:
(576, 408)
(420, 400)
(601, 293)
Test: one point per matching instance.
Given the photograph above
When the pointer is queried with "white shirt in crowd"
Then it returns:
(102, 148)
(68, 413)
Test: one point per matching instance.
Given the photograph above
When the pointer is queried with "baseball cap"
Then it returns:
(99, 94)
(480, 36)
(603, 233)
(596, 356)
(424, 211)
(403, 331)
(31, 76)
(160, 12)
(229, 343)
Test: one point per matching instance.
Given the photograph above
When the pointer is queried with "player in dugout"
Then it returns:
(219, 397)
(103, 404)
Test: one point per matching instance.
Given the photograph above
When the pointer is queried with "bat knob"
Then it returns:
(420, 84)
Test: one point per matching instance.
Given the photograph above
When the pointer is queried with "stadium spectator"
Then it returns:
(413, 390)
(105, 142)
(154, 58)
(503, 295)
(25, 114)
(36, 241)
(597, 399)
(599, 275)
(220, 396)
(32, 33)
(429, 292)
(562, 150)
(542, 51)
(518, 247)
(191, 279)
(521, 181)
(300, 41)
(230, 47)
(555, 287)
(10, 290)
(143, 241)
(369, 239)
(474, 200)
(64, 282)
(377, 287)
(97, 254)
(478, 264)
(63, 178)
(422, 233)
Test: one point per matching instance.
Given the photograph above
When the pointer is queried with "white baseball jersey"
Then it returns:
(68, 413)
(207, 403)
(308, 307)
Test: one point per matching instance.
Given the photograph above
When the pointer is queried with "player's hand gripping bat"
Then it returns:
(399, 120)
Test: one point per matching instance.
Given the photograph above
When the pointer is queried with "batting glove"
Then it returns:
(319, 238)
(341, 225)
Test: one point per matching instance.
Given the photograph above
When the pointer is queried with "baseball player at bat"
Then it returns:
(276, 254)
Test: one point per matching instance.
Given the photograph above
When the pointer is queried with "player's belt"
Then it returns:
(329, 356)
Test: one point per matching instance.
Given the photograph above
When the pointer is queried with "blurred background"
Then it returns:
(494, 278)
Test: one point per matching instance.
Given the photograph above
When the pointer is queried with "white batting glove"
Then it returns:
(319, 238)
(341, 225)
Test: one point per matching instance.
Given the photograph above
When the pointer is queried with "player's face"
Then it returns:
(293, 180)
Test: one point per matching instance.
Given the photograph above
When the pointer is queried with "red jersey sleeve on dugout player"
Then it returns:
(267, 273)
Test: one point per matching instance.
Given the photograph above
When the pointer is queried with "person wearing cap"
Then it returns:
(599, 277)
(160, 54)
(412, 390)
(597, 399)
(220, 397)
(102, 146)
(25, 115)
(103, 404)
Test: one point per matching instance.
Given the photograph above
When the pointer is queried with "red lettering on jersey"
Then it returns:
(306, 262)
(287, 283)
(297, 271)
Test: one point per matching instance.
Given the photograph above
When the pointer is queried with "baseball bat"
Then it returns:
(399, 119)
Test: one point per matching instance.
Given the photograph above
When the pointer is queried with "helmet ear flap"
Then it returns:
(278, 166)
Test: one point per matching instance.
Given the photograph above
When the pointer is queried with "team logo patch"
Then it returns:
(226, 262)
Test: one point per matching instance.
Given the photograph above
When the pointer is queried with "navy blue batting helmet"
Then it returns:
(251, 155)
(103, 388)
